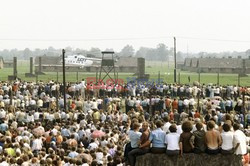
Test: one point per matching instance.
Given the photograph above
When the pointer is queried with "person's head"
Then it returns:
(159, 124)
(199, 126)
(187, 126)
(226, 127)
(236, 126)
(173, 128)
(228, 117)
(210, 125)
(136, 126)
(166, 119)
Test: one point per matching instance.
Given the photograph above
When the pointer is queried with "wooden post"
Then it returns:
(159, 77)
(64, 81)
(218, 78)
(37, 78)
(174, 60)
(179, 78)
(77, 76)
(199, 76)
(57, 96)
(239, 79)
(243, 106)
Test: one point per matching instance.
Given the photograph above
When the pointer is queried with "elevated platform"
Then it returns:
(92, 68)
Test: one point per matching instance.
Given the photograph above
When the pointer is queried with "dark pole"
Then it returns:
(40, 65)
(15, 67)
(179, 78)
(239, 79)
(57, 96)
(243, 106)
(117, 78)
(64, 81)
(159, 76)
(31, 65)
(77, 76)
(11, 96)
(36, 77)
(198, 102)
(199, 76)
(96, 75)
(174, 60)
(218, 78)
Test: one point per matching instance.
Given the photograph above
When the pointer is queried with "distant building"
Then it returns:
(214, 65)
(8, 64)
(49, 60)
(5, 64)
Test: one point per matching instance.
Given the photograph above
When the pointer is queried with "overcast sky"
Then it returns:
(199, 25)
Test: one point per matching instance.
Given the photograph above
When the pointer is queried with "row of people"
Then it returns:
(229, 141)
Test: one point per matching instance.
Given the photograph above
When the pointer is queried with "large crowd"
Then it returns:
(110, 125)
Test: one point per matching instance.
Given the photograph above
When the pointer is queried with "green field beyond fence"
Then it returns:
(156, 69)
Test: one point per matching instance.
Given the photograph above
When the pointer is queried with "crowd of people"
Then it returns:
(106, 124)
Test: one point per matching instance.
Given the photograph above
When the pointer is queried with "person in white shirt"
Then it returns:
(186, 104)
(83, 86)
(32, 102)
(134, 135)
(99, 103)
(240, 140)
(167, 124)
(227, 139)
(93, 145)
(172, 141)
(124, 117)
(29, 117)
(99, 156)
(37, 144)
(73, 153)
(2, 114)
(179, 129)
(94, 104)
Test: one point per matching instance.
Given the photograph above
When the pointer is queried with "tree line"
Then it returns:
(160, 53)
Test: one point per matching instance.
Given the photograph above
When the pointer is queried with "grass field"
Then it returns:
(153, 68)
(167, 74)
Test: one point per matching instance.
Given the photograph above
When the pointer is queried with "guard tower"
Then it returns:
(107, 66)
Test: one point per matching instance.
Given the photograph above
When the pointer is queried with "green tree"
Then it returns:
(161, 52)
(142, 52)
(127, 51)
(95, 51)
(27, 53)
